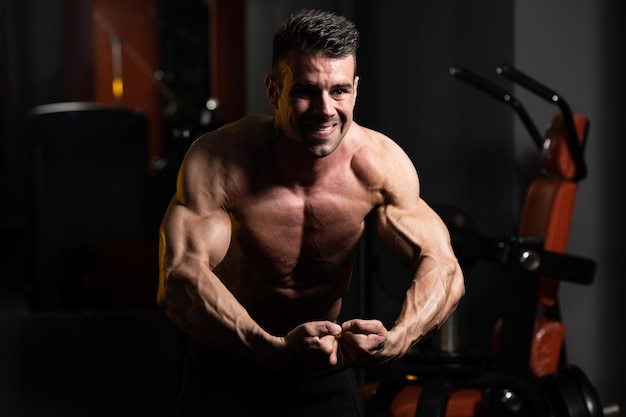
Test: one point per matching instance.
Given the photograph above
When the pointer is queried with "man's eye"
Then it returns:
(340, 92)
(303, 92)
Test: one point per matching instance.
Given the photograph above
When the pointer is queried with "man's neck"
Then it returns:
(296, 164)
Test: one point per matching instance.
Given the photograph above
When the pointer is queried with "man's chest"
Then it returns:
(293, 226)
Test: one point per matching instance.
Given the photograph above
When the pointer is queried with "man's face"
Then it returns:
(314, 100)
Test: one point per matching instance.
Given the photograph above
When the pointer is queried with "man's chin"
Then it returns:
(322, 150)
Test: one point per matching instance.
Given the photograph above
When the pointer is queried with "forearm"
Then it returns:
(205, 310)
(421, 239)
(436, 289)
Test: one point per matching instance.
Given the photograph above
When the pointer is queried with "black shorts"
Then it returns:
(221, 384)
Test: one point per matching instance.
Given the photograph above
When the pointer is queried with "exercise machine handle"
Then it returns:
(574, 145)
(502, 95)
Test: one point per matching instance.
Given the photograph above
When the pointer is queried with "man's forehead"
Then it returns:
(298, 64)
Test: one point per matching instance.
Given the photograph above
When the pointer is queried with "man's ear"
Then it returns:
(271, 89)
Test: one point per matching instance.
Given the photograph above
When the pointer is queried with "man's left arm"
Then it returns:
(415, 233)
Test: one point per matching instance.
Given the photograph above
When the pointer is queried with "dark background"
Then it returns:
(80, 332)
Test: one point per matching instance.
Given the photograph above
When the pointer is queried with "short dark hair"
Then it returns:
(315, 32)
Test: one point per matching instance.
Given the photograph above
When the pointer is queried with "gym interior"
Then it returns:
(466, 87)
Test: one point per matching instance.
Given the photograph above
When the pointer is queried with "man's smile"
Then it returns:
(322, 129)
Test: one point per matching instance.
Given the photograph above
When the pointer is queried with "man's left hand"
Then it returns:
(362, 343)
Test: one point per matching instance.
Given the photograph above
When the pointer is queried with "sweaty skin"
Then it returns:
(259, 241)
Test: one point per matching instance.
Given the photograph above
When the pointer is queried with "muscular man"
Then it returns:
(259, 241)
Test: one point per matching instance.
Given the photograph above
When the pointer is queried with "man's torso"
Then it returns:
(293, 246)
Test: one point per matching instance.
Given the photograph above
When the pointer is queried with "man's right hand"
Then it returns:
(311, 345)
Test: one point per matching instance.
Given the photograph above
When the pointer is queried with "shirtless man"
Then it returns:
(259, 241)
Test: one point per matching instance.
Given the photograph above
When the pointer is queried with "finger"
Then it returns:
(328, 343)
(322, 336)
(332, 358)
(327, 328)
(363, 326)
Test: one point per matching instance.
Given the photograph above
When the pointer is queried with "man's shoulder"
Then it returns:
(226, 155)
(241, 135)
(250, 123)
(375, 144)
(378, 159)
(248, 127)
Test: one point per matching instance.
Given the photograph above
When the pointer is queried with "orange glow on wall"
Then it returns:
(126, 55)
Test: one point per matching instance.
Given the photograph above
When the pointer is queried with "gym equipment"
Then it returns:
(90, 163)
(529, 374)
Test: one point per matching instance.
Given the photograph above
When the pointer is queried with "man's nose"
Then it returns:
(325, 104)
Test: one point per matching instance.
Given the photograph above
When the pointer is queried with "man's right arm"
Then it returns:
(194, 238)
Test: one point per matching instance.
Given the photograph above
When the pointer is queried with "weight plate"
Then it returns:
(564, 396)
(588, 392)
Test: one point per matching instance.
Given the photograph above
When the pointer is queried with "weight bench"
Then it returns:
(529, 374)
